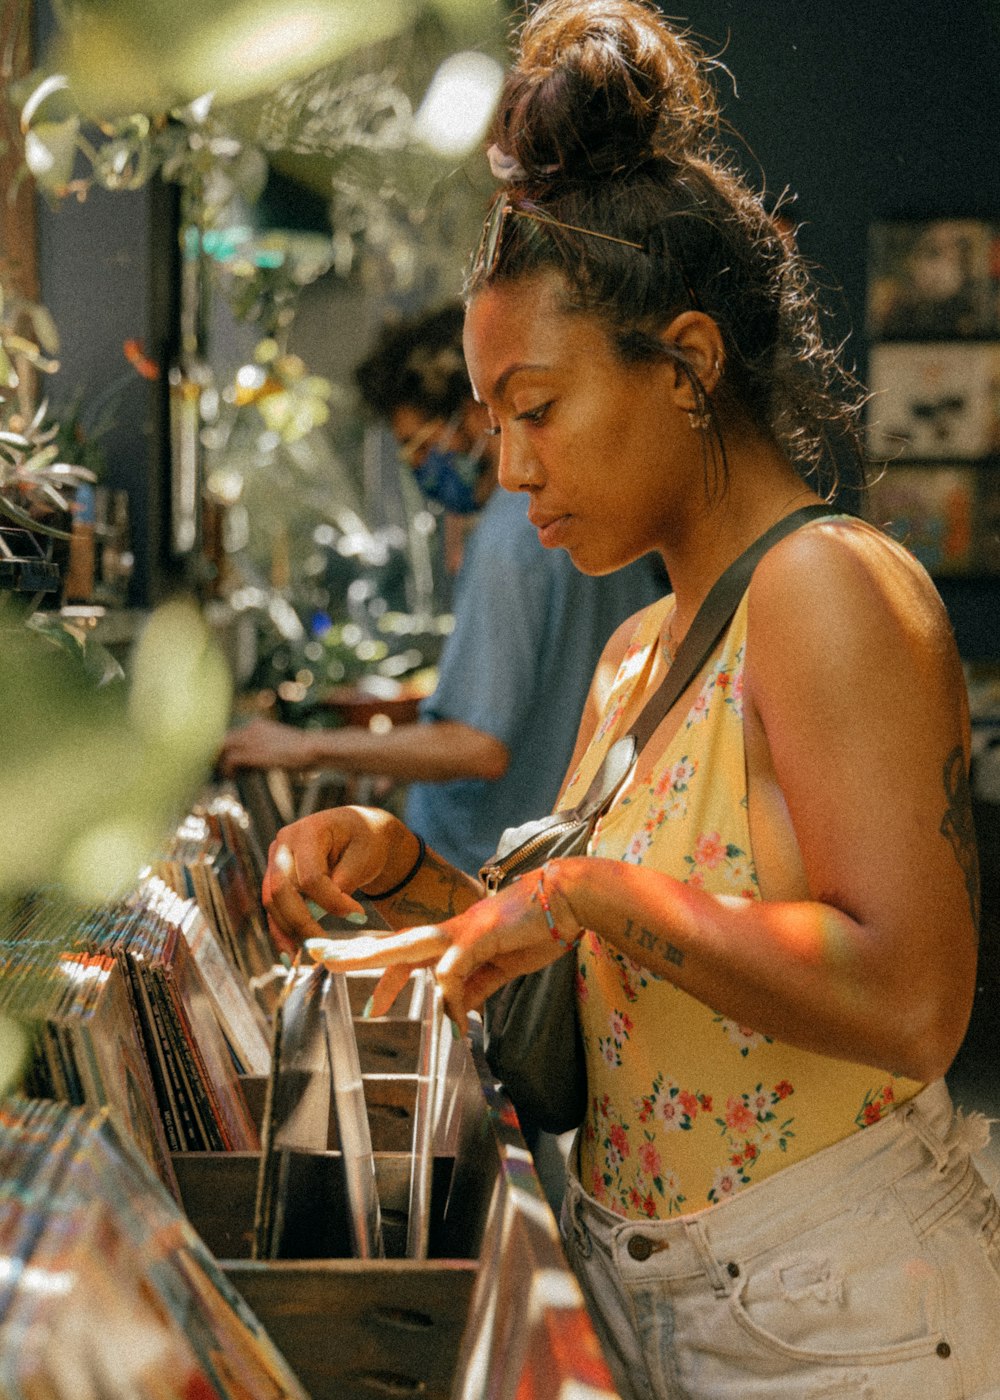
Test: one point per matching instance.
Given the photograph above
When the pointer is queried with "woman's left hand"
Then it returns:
(473, 954)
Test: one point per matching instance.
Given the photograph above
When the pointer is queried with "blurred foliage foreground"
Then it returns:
(95, 772)
(97, 767)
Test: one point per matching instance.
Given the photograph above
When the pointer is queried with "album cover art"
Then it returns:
(934, 279)
(930, 510)
(939, 400)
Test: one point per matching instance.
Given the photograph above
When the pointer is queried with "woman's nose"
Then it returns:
(518, 470)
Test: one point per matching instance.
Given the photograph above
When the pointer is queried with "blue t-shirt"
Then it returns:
(529, 631)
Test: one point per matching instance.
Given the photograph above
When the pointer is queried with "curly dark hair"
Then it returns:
(609, 121)
(417, 363)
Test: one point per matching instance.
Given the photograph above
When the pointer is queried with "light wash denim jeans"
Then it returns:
(869, 1271)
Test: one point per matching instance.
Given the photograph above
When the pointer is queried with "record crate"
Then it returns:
(492, 1310)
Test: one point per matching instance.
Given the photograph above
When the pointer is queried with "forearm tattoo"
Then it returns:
(958, 826)
(451, 896)
(647, 941)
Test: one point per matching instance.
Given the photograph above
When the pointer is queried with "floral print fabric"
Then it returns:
(686, 1106)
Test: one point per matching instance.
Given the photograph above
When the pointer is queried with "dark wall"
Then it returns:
(876, 108)
(101, 263)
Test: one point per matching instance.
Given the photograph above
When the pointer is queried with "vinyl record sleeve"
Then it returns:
(934, 401)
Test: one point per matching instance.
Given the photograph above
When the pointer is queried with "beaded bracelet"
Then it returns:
(543, 900)
(395, 889)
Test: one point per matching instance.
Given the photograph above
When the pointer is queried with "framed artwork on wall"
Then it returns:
(936, 279)
(937, 400)
(933, 418)
(932, 511)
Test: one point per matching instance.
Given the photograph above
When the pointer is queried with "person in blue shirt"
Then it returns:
(493, 741)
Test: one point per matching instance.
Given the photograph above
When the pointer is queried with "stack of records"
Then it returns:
(123, 1017)
(88, 1046)
(107, 1290)
(196, 1080)
(239, 1013)
(214, 860)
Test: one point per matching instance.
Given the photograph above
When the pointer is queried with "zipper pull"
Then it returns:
(491, 876)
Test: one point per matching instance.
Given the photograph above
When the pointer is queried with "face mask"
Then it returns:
(450, 478)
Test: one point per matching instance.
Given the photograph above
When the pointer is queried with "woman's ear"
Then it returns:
(699, 340)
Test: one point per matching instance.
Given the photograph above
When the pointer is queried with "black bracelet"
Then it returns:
(421, 855)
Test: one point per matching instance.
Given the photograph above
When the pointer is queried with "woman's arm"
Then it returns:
(853, 677)
(434, 751)
(326, 857)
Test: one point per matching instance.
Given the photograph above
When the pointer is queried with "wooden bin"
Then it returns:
(494, 1310)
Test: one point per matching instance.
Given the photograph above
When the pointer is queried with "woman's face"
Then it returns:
(602, 448)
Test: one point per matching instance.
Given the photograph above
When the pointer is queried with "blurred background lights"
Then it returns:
(458, 104)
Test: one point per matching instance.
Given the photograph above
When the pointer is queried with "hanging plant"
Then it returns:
(33, 481)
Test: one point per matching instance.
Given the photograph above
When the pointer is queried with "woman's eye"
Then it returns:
(535, 415)
(493, 430)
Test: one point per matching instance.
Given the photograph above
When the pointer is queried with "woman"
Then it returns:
(776, 926)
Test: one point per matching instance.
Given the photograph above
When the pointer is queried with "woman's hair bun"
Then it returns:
(602, 85)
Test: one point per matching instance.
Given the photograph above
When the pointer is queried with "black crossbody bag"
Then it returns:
(532, 1035)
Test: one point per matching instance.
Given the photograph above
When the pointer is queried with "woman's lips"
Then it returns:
(551, 529)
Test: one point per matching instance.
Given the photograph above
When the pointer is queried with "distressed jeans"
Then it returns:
(869, 1271)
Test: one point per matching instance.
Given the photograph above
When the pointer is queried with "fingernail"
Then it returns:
(316, 910)
(356, 916)
(456, 1034)
(285, 960)
(366, 1010)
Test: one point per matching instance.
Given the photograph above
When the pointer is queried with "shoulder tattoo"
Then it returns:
(958, 826)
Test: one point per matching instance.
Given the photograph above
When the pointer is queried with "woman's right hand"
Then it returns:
(324, 858)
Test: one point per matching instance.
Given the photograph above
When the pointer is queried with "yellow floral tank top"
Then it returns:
(686, 1106)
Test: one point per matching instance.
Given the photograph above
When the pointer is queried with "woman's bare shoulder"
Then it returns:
(845, 575)
(847, 611)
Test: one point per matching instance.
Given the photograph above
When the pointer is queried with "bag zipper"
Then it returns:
(494, 875)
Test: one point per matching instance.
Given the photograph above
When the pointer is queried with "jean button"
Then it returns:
(639, 1247)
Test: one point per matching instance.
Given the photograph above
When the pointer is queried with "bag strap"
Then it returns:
(712, 617)
(709, 622)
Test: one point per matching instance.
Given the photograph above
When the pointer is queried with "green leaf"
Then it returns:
(13, 1053)
(38, 461)
(50, 153)
(165, 53)
(45, 327)
(21, 517)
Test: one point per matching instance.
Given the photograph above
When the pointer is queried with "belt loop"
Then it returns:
(695, 1231)
(575, 1204)
(924, 1133)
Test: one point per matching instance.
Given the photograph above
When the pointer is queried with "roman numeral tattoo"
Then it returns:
(958, 826)
(651, 942)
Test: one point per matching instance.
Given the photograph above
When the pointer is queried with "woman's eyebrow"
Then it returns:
(504, 378)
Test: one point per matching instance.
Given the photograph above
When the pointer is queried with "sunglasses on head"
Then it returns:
(488, 252)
